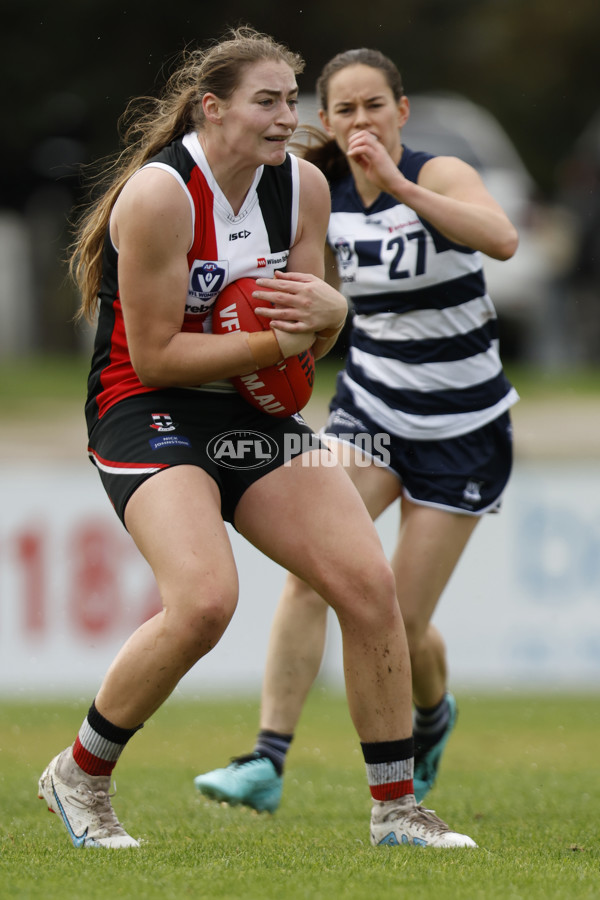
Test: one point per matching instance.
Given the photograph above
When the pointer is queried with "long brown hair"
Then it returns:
(316, 146)
(150, 123)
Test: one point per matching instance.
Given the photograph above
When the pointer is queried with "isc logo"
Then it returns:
(239, 235)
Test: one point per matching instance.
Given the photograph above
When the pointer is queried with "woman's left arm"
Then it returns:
(303, 299)
(452, 197)
(449, 194)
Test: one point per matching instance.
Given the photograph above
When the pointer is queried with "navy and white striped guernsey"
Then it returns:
(423, 360)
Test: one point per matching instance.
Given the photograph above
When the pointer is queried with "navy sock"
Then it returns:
(430, 723)
(274, 746)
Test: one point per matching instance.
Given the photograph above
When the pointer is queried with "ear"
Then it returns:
(212, 108)
(403, 110)
(325, 123)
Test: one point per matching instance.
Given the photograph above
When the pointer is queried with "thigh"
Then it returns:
(175, 520)
(366, 453)
(378, 486)
(430, 544)
(309, 517)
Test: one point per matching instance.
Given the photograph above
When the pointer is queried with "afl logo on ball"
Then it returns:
(242, 450)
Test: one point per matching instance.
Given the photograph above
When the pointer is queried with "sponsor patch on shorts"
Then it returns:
(169, 440)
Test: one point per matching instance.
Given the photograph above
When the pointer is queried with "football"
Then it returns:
(280, 390)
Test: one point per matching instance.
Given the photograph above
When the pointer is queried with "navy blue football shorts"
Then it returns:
(221, 433)
(466, 474)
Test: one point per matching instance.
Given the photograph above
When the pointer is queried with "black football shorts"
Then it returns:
(219, 432)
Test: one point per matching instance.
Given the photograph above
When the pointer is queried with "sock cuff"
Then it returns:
(430, 711)
(107, 730)
(266, 733)
(388, 751)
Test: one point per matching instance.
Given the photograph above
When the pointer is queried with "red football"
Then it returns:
(280, 390)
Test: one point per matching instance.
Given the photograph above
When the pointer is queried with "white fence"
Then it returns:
(522, 610)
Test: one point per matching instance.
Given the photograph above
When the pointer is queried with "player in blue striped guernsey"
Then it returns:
(423, 395)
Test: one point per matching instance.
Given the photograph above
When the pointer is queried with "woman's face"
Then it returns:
(261, 116)
(360, 99)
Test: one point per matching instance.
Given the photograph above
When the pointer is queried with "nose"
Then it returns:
(288, 115)
(361, 116)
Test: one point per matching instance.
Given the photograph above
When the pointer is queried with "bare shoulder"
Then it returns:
(311, 178)
(315, 199)
(153, 198)
(443, 172)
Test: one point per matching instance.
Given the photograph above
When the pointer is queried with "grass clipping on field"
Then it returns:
(519, 776)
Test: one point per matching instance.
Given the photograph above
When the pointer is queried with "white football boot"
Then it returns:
(83, 803)
(403, 822)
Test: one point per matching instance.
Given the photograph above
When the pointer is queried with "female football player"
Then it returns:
(209, 159)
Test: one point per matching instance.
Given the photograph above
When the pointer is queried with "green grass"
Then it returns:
(553, 385)
(520, 775)
(43, 385)
(35, 385)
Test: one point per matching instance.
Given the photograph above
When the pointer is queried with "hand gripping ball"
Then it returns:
(279, 390)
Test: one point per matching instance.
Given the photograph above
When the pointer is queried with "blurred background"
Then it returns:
(524, 107)
(513, 87)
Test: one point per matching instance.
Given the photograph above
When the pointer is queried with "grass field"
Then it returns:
(520, 776)
(33, 384)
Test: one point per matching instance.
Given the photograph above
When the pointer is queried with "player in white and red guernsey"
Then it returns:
(210, 194)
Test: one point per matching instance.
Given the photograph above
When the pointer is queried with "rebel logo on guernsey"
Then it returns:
(207, 278)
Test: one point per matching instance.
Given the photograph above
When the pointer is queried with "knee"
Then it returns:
(298, 593)
(420, 635)
(368, 595)
(200, 619)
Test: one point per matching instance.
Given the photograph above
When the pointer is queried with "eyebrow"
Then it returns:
(367, 100)
(271, 93)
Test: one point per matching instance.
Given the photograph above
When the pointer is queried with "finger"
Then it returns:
(270, 287)
(276, 298)
(287, 314)
(290, 327)
(280, 277)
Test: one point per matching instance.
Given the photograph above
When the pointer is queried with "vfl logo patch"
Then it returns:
(472, 492)
(163, 422)
(343, 252)
(242, 449)
(206, 279)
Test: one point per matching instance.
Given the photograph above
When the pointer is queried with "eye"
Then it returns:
(266, 103)
(293, 103)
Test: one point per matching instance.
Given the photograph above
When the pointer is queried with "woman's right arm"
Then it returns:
(151, 227)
